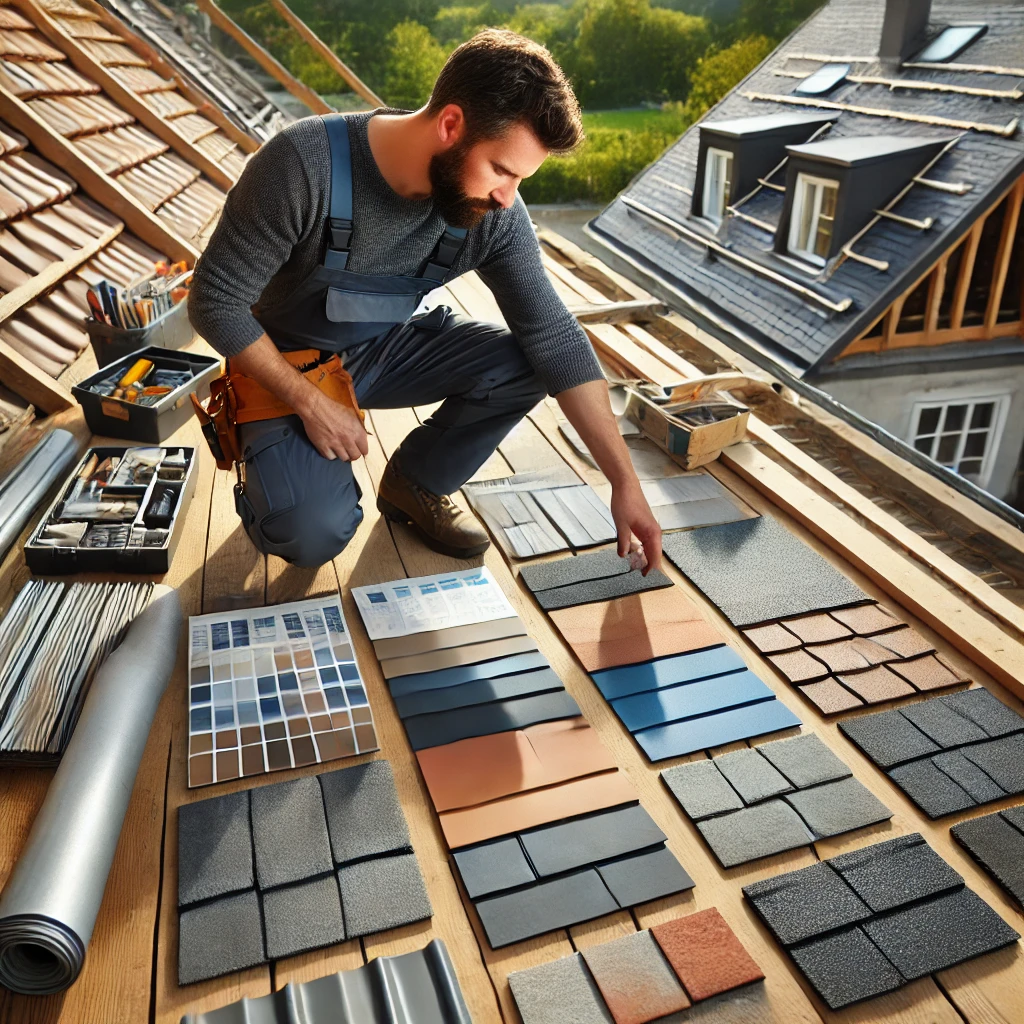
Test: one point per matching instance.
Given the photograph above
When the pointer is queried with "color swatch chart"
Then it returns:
(273, 688)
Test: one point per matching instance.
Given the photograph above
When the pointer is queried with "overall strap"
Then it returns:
(339, 222)
(444, 255)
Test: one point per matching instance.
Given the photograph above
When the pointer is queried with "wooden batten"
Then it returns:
(1002, 266)
(274, 68)
(33, 384)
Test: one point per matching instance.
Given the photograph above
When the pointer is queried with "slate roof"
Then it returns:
(795, 330)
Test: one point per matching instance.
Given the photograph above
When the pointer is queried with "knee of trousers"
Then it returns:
(513, 383)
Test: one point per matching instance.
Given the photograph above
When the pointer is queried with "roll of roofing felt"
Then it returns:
(48, 908)
(27, 484)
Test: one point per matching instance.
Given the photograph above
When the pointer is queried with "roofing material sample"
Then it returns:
(492, 867)
(480, 691)
(449, 677)
(431, 640)
(419, 986)
(654, 675)
(640, 977)
(756, 571)
(826, 917)
(332, 862)
(453, 657)
(542, 512)
(745, 808)
(585, 579)
(693, 500)
(996, 842)
(948, 753)
(642, 877)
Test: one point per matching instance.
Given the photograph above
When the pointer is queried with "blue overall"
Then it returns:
(305, 508)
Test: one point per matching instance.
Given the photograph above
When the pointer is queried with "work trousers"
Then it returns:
(305, 508)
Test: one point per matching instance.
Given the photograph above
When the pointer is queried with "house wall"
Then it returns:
(889, 401)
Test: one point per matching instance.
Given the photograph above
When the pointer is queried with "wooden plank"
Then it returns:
(963, 280)
(629, 311)
(34, 385)
(274, 68)
(355, 83)
(892, 319)
(1002, 264)
(936, 289)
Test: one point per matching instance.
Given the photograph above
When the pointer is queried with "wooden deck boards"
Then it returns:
(131, 966)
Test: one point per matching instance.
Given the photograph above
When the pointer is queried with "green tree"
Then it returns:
(414, 60)
(718, 72)
(454, 25)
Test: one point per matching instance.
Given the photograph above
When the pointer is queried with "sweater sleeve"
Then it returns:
(269, 210)
(551, 339)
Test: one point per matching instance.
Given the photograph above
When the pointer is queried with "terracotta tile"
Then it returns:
(634, 629)
(877, 684)
(905, 642)
(818, 628)
(798, 666)
(841, 656)
(538, 807)
(637, 984)
(772, 639)
(486, 768)
(705, 954)
(452, 636)
(866, 619)
(928, 673)
(829, 697)
(432, 661)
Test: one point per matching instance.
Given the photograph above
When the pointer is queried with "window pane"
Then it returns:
(947, 448)
(924, 444)
(726, 180)
(975, 444)
(807, 216)
(982, 415)
(956, 416)
(928, 422)
(970, 468)
(826, 219)
(949, 42)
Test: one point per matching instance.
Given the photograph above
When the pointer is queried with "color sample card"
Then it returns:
(273, 688)
(431, 602)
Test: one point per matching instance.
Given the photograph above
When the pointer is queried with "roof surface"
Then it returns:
(797, 330)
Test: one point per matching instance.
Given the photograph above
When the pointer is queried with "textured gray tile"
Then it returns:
(754, 778)
(998, 847)
(1002, 760)
(757, 831)
(939, 933)
(845, 968)
(888, 738)
(756, 571)
(701, 789)
(289, 832)
(493, 867)
(220, 937)
(967, 776)
(805, 760)
(932, 790)
(364, 816)
(601, 590)
(482, 691)
(214, 848)
(982, 708)
(642, 877)
(301, 917)
(382, 893)
(836, 807)
(564, 572)
(560, 992)
(896, 872)
(1015, 816)
(941, 724)
(800, 905)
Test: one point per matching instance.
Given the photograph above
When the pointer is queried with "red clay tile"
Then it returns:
(817, 629)
(876, 685)
(705, 954)
(906, 642)
(928, 673)
(866, 619)
(798, 666)
(637, 984)
(830, 698)
(772, 639)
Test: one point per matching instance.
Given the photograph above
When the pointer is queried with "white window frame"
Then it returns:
(805, 183)
(945, 399)
(714, 201)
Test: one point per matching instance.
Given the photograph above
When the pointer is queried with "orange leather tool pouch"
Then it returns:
(236, 398)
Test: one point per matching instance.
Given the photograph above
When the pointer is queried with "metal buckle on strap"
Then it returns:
(341, 233)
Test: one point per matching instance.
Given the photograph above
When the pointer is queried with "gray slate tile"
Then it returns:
(564, 572)
(836, 807)
(895, 872)
(642, 877)
(560, 992)
(803, 904)
(985, 710)
(601, 590)
(482, 691)
(493, 867)
(758, 831)
(845, 968)
(932, 790)
(701, 789)
(753, 777)
(968, 776)
(289, 832)
(940, 933)
(364, 816)
(382, 893)
(1015, 816)
(1002, 760)
(998, 847)
(302, 917)
(942, 725)
(756, 571)
(888, 738)
(214, 848)
(805, 760)
(220, 937)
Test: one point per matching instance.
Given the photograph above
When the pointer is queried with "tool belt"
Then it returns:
(236, 398)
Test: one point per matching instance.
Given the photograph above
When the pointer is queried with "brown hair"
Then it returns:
(501, 79)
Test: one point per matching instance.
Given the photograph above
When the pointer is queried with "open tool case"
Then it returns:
(121, 510)
(113, 417)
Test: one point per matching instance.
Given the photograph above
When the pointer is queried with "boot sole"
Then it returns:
(396, 515)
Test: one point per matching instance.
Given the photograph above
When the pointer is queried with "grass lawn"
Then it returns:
(638, 120)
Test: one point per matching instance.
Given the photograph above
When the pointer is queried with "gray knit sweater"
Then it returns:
(271, 235)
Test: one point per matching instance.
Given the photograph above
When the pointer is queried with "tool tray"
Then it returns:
(172, 331)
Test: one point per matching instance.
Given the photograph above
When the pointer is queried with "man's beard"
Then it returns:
(458, 209)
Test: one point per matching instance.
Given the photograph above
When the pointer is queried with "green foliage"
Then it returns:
(415, 59)
(719, 71)
(454, 25)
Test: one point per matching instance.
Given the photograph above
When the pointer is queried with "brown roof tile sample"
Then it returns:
(876, 684)
(817, 629)
(905, 642)
(632, 629)
(772, 638)
(799, 666)
(841, 656)
(637, 984)
(705, 954)
(451, 636)
(829, 697)
(433, 661)
(929, 673)
(485, 768)
(866, 619)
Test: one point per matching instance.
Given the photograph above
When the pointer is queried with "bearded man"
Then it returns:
(337, 230)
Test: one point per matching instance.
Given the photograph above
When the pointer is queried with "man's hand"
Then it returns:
(335, 430)
(634, 518)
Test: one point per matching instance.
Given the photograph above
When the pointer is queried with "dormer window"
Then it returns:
(717, 183)
(949, 43)
(812, 224)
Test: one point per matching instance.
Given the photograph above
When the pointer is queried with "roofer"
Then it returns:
(328, 243)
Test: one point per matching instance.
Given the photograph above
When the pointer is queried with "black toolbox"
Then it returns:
(112, 417)
(172, 330)
(141, 539)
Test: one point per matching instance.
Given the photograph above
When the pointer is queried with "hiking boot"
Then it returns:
(436, 518)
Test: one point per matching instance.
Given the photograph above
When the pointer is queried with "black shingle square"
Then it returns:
(493, 867)
(942, 725)
(888, 738)
(968, 776)
(995, 844)
(214, 848)
(364, 817)
(845, 968)
(985, 710)
(382, 893)
(289, 832)
(303, 917)
(931, 789)
(1002, 760)
(219, 937)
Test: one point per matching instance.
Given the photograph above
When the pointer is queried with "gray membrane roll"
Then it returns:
(26, 485)
(48, 908)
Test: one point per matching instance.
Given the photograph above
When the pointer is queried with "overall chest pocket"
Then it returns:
(343, 306)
